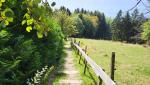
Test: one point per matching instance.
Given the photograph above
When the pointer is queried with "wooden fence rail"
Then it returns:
(97, 69)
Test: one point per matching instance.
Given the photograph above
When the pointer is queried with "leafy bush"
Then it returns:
(146, 31)
(29, 40)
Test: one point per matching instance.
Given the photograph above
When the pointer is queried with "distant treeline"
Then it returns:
(125, 27)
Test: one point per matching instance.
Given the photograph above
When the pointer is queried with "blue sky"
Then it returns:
(109, 7)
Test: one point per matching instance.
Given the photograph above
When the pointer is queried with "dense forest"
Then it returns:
(31, 40)
(125, 27)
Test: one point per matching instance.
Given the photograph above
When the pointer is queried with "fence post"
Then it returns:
(79, 54)
(74, 40)
(80, 58)
(71, 42)
(78, 45)
(85, 62)
(75, 47)
(85, 49)
(100, 81)
(112, 66)
(85, 66)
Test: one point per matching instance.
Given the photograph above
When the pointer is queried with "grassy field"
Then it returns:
(132, 61)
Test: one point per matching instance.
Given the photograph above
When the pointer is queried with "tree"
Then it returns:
(103, 28)
(94, 25)
(122, 27)
(77, 10)
(88, 30)
(68, 12)
(146, 31)
(137, 20)
(53, 4)
(67, 23)
(136, 24)
(83, 11)
(88, 27)
(80, 26)
(62, 8)
(98, 30)
(116, 26)
(126, 29)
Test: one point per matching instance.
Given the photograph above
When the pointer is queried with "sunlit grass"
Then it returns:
(132, 61)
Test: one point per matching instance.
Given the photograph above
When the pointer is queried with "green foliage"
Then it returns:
(67, 23)
(127, 27)
(29, 40)
(116, 26)
(79, 25)
(41, 78)
(1, 3)
(6, 16)
(46, 76)
(29, 28)
(103, 30)
(88, 31)
(146, 30)
(137, 20)
(92, 24)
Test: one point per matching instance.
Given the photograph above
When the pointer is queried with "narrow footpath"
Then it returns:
(72, 75)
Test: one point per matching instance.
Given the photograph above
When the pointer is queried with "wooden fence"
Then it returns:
(97, 69)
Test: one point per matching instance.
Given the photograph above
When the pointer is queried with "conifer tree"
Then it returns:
(116, 26)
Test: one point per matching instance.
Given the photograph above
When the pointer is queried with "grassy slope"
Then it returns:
(132, 61)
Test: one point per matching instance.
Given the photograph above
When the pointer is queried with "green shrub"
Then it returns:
(29, 40)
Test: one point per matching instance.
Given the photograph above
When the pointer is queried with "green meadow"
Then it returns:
(132, 61)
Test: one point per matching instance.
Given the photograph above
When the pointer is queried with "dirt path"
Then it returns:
(72, 75)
